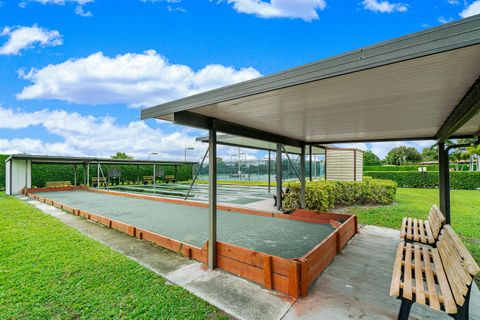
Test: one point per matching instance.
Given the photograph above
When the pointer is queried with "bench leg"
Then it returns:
(462, 313)
(405, 309)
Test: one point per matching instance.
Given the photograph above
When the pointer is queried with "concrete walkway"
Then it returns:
(354, 286)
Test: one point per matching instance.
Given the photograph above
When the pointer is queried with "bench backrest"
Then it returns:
(435, 220)
(51, 184)
(147, 177)
(458, 263)
(95, 179)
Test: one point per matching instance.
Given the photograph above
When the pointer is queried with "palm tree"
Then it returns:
(475, 151)
(468, 154)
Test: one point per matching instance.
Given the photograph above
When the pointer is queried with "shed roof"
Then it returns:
(81, 160)
(425, 85)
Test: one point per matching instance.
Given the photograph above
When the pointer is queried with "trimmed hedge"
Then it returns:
(3, 157)
(433, 167)
(324, 195)
(463, 180)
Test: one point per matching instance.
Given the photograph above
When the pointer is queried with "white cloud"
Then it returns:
(134, 79)
(444, 20)
(20, 38)
(384, 6)
(471, 10)
(89, 136)
(79, 9)
(292, 9)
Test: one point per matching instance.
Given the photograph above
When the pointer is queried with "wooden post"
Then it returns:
(267, 271)
(294, 279)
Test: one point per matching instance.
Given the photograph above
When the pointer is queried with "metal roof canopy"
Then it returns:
(238, 141)
(421, 86)
(84, 160)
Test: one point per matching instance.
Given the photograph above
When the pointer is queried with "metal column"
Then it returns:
(278, 174)
(75, 174)
(269, 159)
(302, 177)
(444, 181)
(212, 203)
(310, 162)
(154, 178)
(98, 175)
(88, 174)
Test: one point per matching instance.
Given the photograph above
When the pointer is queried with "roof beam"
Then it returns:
(200, 121)
(468, 107)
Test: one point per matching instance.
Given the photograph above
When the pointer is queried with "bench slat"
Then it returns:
(432, 289)
(407, 273)
(403, 230)
(409, 228)
(420, 290)
(397, 271)
(423, 237)
(415, 229)
(448, 302)
(428, 228)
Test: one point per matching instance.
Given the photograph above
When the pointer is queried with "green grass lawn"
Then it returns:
(465, 213)
(51, 271)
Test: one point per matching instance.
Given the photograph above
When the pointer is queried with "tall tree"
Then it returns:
(403, 155)
(122, 156)
(430, 153)
(371, 159)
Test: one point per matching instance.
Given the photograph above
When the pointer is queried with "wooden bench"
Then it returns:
(170, 178)
(147, 179)
(440, 278)
(57, 184)
(427, 231)
(95, 181)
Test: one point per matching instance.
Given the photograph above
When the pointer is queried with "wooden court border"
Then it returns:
(290, 276)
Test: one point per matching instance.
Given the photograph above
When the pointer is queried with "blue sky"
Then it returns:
(76, 73)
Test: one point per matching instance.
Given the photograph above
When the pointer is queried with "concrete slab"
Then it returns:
(354, 286)
(221, 289)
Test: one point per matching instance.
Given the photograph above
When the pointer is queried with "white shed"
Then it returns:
(343, 164)
(18, 175)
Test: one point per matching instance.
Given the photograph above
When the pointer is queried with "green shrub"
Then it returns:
(463, 180)
(324, 195)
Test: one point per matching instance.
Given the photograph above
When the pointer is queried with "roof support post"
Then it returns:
(444, 180)
(310, 162)
(88, 174)
(98, 175)
(212, 203)
(269, 160)
(75, 174)
(278, 174)
(302, 177)
(154, 178)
